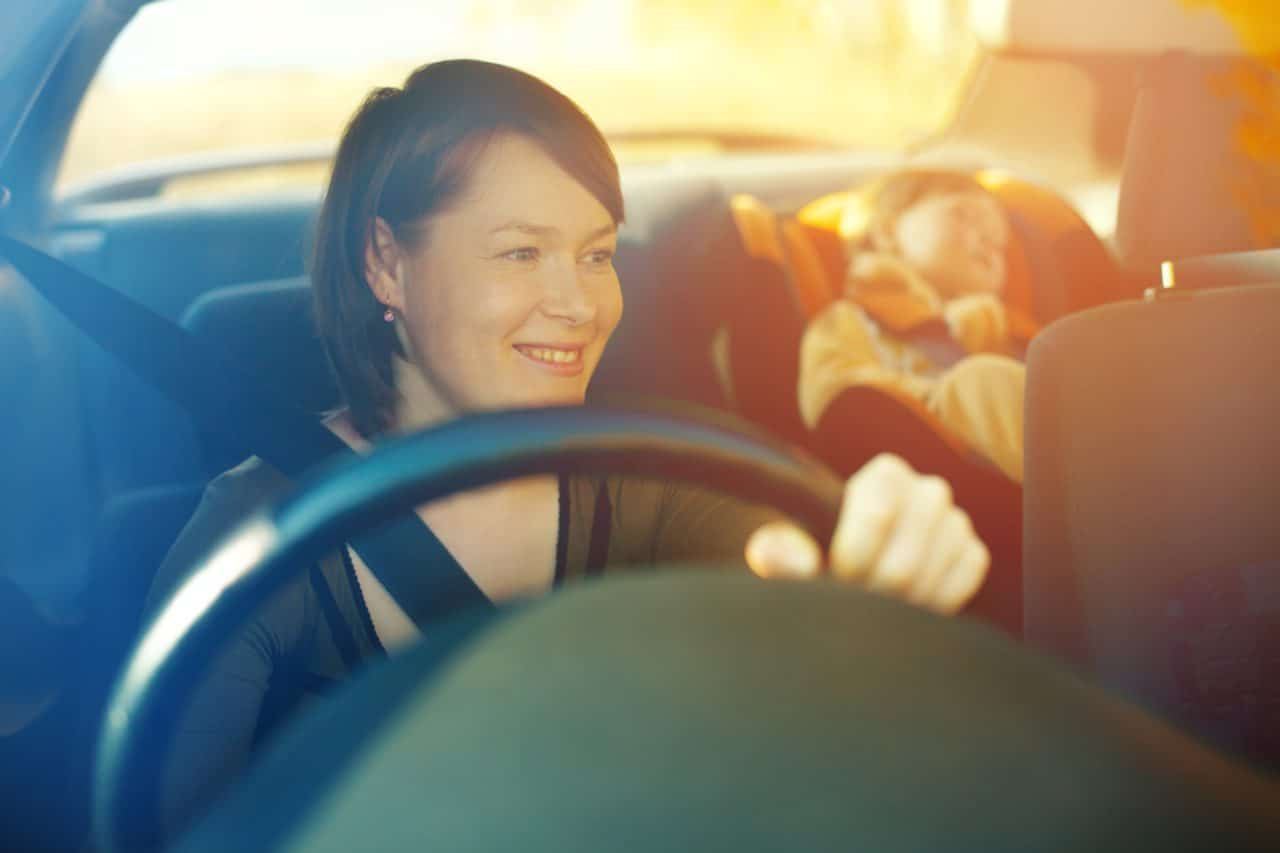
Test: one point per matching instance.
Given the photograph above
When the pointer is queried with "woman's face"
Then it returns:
(513, 295)
(957, 241)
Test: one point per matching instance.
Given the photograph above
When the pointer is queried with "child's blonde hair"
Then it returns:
(878, 204)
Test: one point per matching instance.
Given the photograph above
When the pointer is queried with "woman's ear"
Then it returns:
(383, 262)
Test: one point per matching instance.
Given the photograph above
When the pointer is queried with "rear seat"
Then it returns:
(763, 324)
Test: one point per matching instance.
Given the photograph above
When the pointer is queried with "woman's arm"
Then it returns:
(696, 525)
(215, 734)
(899, 533)
(212, 742)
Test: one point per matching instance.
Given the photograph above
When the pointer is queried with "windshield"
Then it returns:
(662, 77)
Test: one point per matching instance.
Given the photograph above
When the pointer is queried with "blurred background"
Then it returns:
(661, 76)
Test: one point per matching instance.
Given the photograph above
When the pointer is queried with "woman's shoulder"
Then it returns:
(228, 500)
(656, 521)
(251, 481)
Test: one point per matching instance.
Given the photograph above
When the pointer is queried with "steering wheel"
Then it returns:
(343, 498)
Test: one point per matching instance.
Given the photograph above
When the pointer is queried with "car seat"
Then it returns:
(679, 265)
(134, 533)
(787, 283)
(266, 325)
(1056, 263)
(1190, 186)
(1152, 548)
(268, 329)
(779, 287)
(37, 662)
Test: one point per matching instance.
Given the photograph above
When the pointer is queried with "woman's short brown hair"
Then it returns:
(405, 156)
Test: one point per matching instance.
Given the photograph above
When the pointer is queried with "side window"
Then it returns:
(204, 97)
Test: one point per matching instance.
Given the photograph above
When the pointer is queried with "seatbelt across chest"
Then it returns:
(403, 553)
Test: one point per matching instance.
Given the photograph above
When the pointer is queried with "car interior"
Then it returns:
(1145, 522)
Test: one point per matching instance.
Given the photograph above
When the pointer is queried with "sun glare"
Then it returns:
(189, 76)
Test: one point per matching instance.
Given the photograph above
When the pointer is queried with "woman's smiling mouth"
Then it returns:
(561, 360)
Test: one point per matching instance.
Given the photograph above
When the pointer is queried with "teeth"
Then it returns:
(554, 356)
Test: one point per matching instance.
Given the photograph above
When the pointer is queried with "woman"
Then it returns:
(464, 263)
(923, 315)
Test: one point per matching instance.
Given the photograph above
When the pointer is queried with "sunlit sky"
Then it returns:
(199, 76)
(181, 38)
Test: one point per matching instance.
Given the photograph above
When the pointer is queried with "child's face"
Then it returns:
(956, 241)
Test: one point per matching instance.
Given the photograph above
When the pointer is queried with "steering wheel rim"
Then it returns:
(328, 506)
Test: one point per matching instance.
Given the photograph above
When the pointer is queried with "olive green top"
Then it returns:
(317, 629)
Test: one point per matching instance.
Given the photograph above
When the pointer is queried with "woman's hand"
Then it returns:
(898, 533)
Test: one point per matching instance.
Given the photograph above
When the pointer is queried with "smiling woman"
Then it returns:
(463, 264)
(480, 181)
(495, 290)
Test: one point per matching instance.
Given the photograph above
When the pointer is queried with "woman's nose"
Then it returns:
(568, 297)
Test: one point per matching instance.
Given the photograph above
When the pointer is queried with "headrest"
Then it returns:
(807, 270)
(679, 262)
(268, 328)
(821, 218)
(758, 227)
(785, 242)
(1087, 274)
(1189, 185)
(1103, 26)
(1151, 484)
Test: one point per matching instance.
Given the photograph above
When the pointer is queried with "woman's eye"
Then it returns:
(524, 254)
(600, 257)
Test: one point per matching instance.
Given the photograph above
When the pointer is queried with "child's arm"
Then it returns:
(837, 352)
(978, 322)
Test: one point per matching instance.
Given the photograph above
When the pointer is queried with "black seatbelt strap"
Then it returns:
(339, 630)
(601, 529)
(405, 556)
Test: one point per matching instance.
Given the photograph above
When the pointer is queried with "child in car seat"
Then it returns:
(922, 315)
